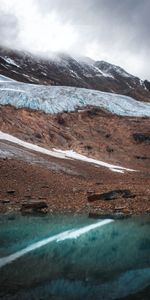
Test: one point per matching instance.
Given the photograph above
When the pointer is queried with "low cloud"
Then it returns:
(112, 30)
(8, 28)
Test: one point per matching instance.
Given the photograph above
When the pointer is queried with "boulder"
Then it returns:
(11, 192)
(141, 137)
(5, 201)
(147, 84)
(35, 206)
(112, 195)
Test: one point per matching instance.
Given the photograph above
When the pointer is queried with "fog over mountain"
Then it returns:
(112, 30)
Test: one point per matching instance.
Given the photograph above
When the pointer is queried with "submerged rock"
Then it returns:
(115, 216)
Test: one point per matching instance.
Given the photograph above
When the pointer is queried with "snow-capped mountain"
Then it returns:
(65, 70)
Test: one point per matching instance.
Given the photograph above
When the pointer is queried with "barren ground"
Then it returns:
(65, 184)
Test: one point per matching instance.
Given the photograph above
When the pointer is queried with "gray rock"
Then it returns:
(35, 206)
(112, 195)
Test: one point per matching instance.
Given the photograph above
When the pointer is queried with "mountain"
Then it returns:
(65, 70)
(70, 128)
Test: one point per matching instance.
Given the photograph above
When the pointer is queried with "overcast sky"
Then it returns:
(113, 30)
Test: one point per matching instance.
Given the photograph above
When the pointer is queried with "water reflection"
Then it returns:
(109, 262)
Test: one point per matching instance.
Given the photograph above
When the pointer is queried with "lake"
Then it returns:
(74, 257)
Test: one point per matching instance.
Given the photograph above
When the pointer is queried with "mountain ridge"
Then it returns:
(65, 70)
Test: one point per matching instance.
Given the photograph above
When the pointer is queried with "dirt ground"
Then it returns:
(66, 188)
(66, 184)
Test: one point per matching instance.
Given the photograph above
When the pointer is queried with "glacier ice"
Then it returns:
(55, 99)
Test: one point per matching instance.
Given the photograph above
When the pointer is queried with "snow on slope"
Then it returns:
(10, 61)
(5, 79)
(55, 99)
(111, 69)
(68, 154)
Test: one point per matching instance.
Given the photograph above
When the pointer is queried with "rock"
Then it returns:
(96, 215)
(140, 137)
(45, 186)
(112, 195)
(76, 190)
(28, 196)
(119, 208)
(5, 201)
(114, 216)
(35, 206)
(109, 149)
(147, 84)
(141, 157)
(38, 135)
(90, 193)
(11, 192)
(12, 217)
(120, 216)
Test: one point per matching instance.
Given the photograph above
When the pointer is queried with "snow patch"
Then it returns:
(12, 139)
(77, 156)
(68, 154)
(10, 61)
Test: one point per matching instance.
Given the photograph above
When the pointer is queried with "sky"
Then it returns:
(116, 31)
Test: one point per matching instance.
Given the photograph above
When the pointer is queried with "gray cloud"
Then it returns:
(8, 28)
(112, 30)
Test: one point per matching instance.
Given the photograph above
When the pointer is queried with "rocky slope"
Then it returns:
(93, 132)
(65, 185)
(68, 71)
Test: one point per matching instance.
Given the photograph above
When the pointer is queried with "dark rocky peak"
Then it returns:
(147, 84)
(112, 69)
(63, 69)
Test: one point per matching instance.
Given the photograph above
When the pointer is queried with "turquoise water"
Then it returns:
(111, 261)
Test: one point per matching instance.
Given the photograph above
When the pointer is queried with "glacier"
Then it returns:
(57, 99)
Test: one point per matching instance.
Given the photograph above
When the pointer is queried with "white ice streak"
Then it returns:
(5, 79)
(12, 89)
(75, 155)
(69, 234)
(68, 154)
(12, 139)
(10, 61)
(74, 234)
(56, 99)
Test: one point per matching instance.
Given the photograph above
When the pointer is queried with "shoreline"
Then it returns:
(97, 213)
(13, 214)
